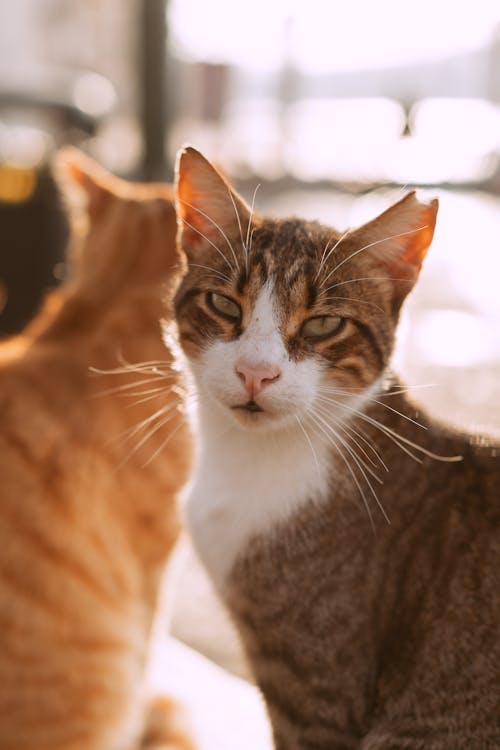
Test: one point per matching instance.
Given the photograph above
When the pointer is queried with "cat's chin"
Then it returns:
(254, 418)
(257, 419)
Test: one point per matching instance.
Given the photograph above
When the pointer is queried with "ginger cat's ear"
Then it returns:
(398, 241)
(208, 209)
(84, 183)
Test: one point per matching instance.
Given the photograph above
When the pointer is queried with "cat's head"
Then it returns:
(123, 232)
(278, 315)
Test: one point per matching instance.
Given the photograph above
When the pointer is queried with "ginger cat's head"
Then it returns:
(277, 316)
(108, 215)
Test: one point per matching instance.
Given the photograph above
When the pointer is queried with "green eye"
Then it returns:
(225, 306)
(322, 326)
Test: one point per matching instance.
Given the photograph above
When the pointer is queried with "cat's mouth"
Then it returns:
(250, 406)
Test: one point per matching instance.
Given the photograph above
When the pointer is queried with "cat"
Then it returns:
(356, 547)
(94, 451)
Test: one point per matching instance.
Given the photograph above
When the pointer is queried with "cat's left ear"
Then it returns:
(209, 211)
(398, 240)
(85, 185)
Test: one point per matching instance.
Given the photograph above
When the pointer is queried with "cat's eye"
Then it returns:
(322, 327)
(223, 305)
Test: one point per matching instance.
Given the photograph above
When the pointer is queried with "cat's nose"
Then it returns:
(255, 376)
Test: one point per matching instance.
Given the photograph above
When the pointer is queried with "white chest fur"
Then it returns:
(246, 483)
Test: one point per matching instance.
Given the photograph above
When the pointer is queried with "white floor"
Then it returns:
(223, 712)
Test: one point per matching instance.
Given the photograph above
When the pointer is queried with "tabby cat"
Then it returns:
(357, 550)
(89, 482)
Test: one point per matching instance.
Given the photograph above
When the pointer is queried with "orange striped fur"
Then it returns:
(88, 511)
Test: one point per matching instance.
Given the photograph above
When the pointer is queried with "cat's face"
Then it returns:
(281, 317)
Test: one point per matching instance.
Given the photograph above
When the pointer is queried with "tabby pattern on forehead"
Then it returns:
(287, 251)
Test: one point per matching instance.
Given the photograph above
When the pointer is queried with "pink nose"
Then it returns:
(256, 376)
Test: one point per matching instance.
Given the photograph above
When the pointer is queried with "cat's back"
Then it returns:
(88, 515)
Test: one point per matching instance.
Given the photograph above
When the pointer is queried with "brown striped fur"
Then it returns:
(87, 520)
(363, 632)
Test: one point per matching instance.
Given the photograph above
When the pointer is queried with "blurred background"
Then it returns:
(334, 109)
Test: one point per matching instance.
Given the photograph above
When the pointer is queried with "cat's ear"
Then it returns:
(208, 209)
(398, 240)
(84, 184)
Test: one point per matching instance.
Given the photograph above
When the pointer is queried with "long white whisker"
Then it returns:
(163, 444)
(354, 299)
(399, 413)
(397, 437)
(390, 408)
(145, 368)
(365, 278)
(214, 223)
(250, 230)
(360, 435)
(245, 248)
(310, 444)
(217, 249)
(372, 244)
(395, 390)
(120, 389)
(156, 393)
(333, 442)
(137, 428)
(214, 271)
(149, 435)
(324, 257)
(360, 464)
(351, 450)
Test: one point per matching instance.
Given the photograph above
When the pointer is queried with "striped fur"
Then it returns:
(87, 520)
(370, 612)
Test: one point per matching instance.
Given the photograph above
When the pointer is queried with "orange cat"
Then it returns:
(91, 466)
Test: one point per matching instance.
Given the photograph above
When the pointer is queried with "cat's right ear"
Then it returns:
(85, 186)
(208, 209)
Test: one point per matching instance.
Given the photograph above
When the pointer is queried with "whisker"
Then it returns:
(360, 464)
(363, 437)
(214, 223)
(249, 238)
(245, 249)
(372, 244)
(333, 442)
(156, 393)
(163, 444)
(395, 390)
(406, 389)
(212, 270)
(390, 408)
(217, 249)
(141, 367)
(324, 257)
(310, 444)
(366, 278)
(118, 389)
(143, 424)
(149, 435)
(351, 450)
(399, 413)
(397, 437)
(354, 299)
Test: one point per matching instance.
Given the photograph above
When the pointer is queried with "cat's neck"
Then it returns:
(248, 482)
(93, 324)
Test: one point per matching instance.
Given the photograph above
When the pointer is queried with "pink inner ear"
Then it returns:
(195, 226)
(416, 244)
(206, 204)
(193, 202)
(406, 231)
